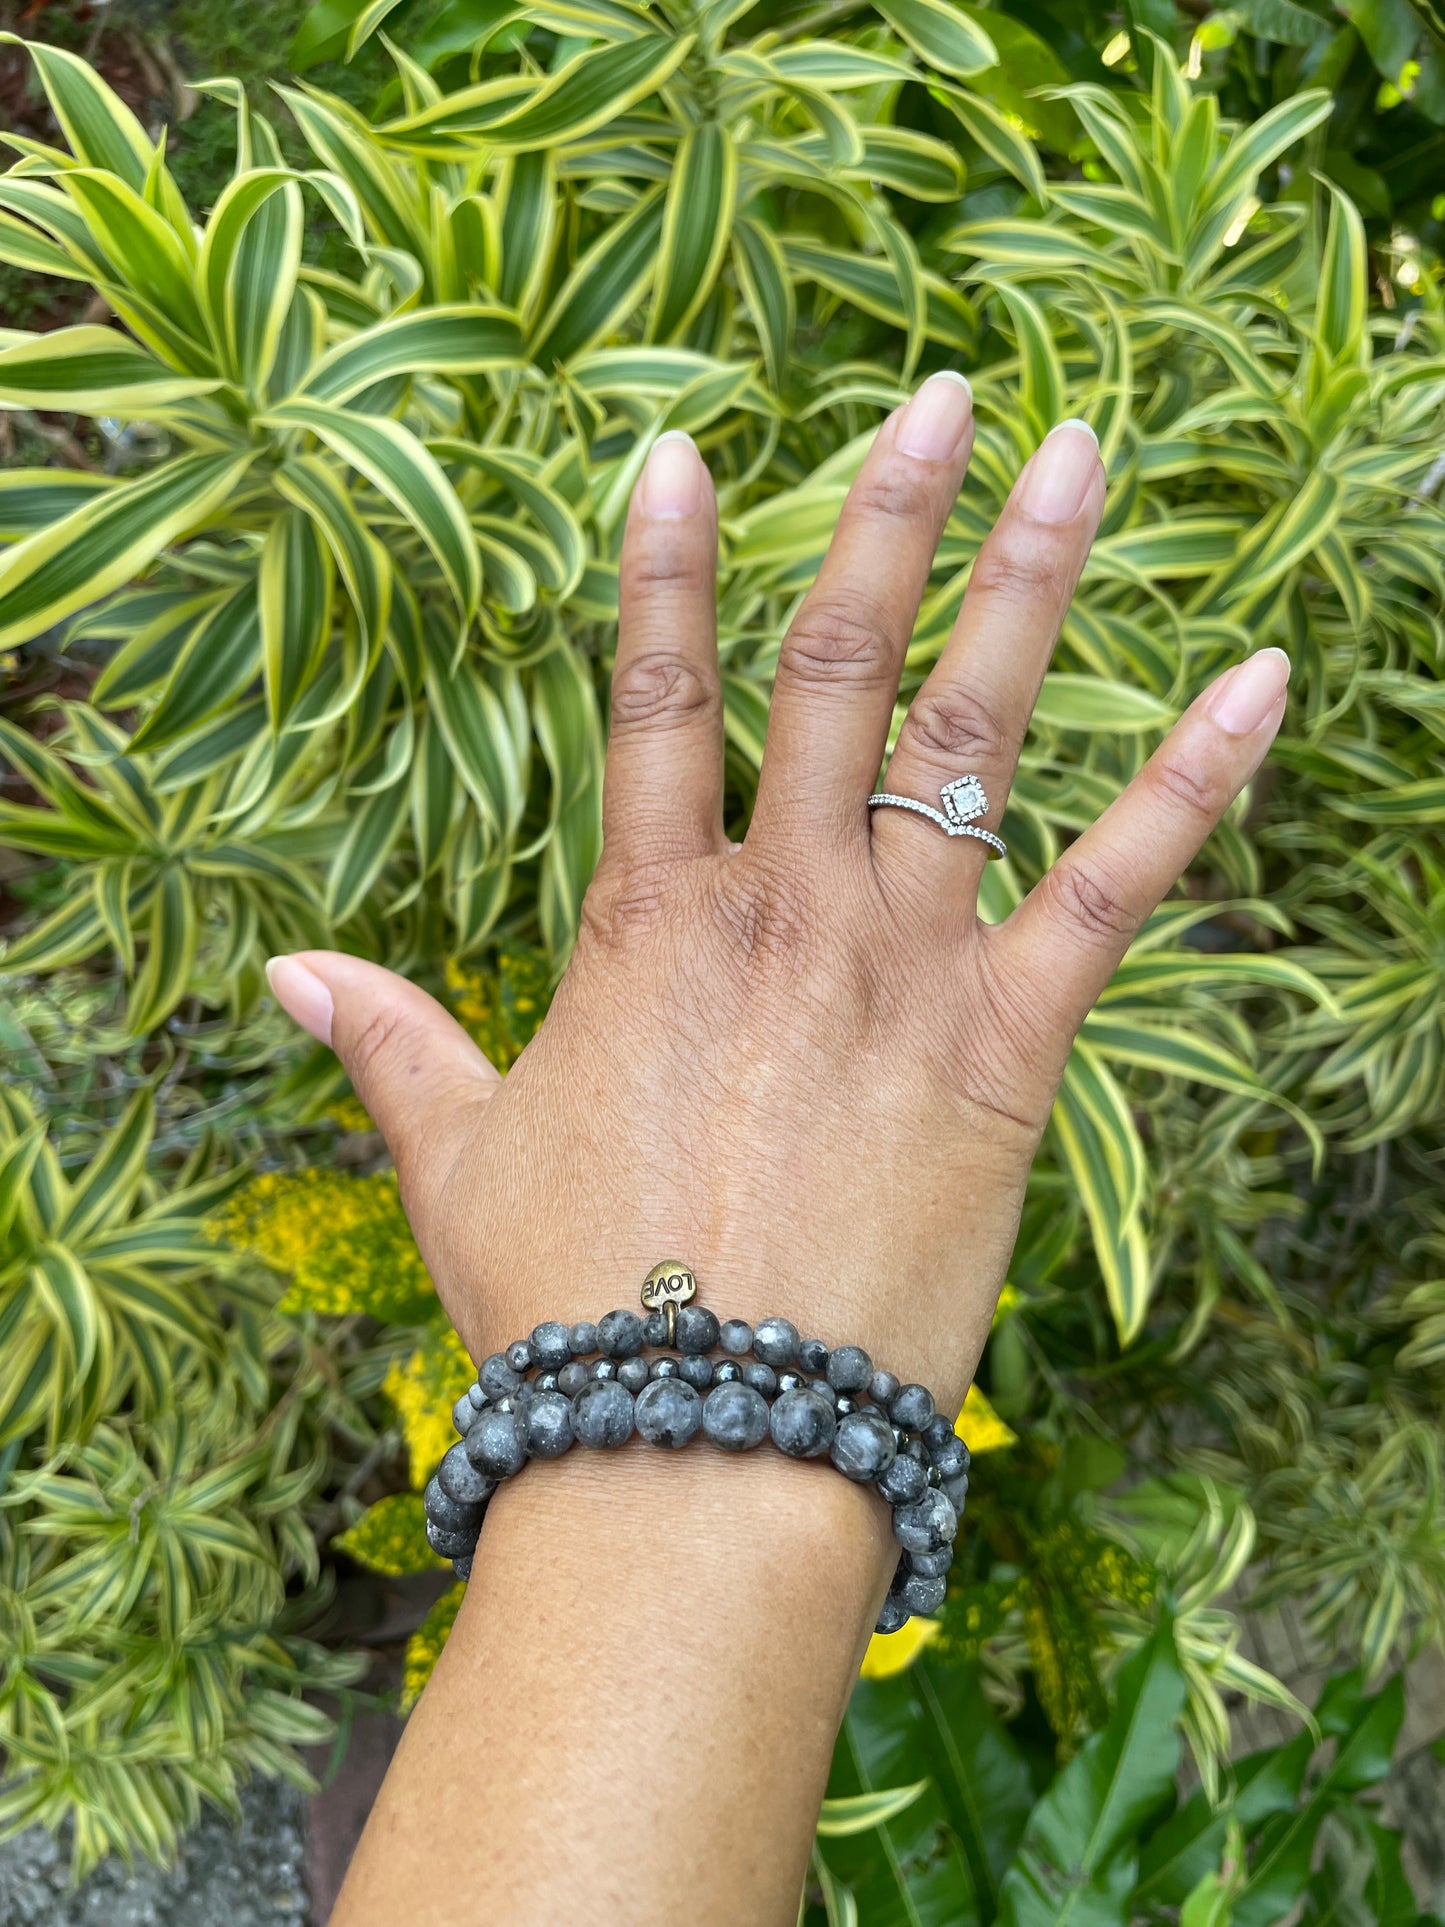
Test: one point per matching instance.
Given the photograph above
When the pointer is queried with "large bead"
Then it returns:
(572, 1378)
(775, 1342)
(463, 1412)
(460, 1479)
(920, 1595)
(448, 1514)
(892, 1616)
(735, 1335)
(582, 1338)
(913, 1408)
(619, 1334)
(654, 1328)
(451, 1545)
(957, 1490)
(864, 1446)
(669, 1412)
(929, 1565)
(905, 1481)
(849, 1368)
(937, 1431)
(883, 1388)
(802, 1424)
(496, 1377)
(950, 1458)
(735, 1417)
(551, 1345)
(812, 1355)
(928, 1526)
(497, 1443)
(761, 1377)
(549, 1425)
(697, 1328)
(602, 1413)
(519, 1355)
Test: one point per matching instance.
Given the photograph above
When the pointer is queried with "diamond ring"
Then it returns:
(963, 802)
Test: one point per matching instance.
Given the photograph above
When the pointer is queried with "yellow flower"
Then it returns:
(889, 1653)
(980, 1427)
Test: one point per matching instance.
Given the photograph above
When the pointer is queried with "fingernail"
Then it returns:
(1249, 694)
(672, 477)
(302, 995)
(934, 423)
(1057, 481)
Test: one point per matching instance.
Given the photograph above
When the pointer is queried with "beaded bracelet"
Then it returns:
(540, 1396)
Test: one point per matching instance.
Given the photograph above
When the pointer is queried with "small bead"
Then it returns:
(912, 1408)
(956, 1491)
(463, 1412)
(669, 1412)
(883, 1388)
(775, 1342)
(463, 1567)
(697, 1329)
(545, 1382)
(802, 1424)
(735, 1335)
(735, 1417)
(935, 1478)
(602, 1414)
(791, 1381)
(936, 1432)
(920, 1596)
(821, 1387)
(843, 1405)
(551, 1345)
(497, 1377)
(519, 1355)
(654, 1328)
(477, 1396)
(849, 1368)
(664, 1367)
(619, 1334)
(582, 1339)
(448, 1514)
(928, 1526)
(572, 1378)
(761, 1377)
(727, 1371)
(450, 1545)
(460, 1479)
(950, 1458)
(632, 1373)
(497, 1443)
(549, 1425)
(905, 1481)
(864, 1446)
(695, 1371)
(915, 1448)
(929, 1565)
(509, 1403)
(813, 1355)
(892, 1618)
(602, 1368)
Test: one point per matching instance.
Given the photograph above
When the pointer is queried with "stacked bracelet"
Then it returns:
(595, 1385)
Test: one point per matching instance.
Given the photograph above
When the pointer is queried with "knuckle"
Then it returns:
(660, 688)
(1092, 899)
(958, 725)
(616, 909)
(894, 493)
(1017, 574)
(664, 568)
(375, 1044)
(834, 641)
(763, 916)
(1189, 791)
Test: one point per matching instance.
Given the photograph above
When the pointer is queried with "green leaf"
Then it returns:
(459, 340)
(1101, 1146)
(368, 842)
(218, 659)
(1343, 283)
(91, 371)
(106, 1189)
(607, 283)
(944, 36)
(763, 274)
(696, 229)
(293, 593)
(1091, 704)
(861, 1812)
(171, 934)
(101, 129)
(249, 263)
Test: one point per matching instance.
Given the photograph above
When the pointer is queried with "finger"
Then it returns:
(662, 792)
(412, 1065)
(838, 670)
(1066, 938)
(972, 713)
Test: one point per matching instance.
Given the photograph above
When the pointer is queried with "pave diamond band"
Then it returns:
(963, 800)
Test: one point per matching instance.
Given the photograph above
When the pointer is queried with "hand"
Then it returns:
(802, 1065)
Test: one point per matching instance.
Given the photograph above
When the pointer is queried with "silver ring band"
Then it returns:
(963, 801)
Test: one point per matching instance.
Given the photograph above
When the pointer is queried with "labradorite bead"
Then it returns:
(735, 1417)
(696, 1371)
(864, 1446)
(892, 1616)
(619, 1334)
(727, 1371)
(545, 1382)
(922, 1596)
(602, 1414)
(669, 1412)
(928, 1526)
(956, 1491)
(497, 1443)
(912, 1408)
(664, 1367)
(460, 1479)
(697, 1328)
(790, 1381)
(451, 1545)
(447, 1514)
(775, 1342)
(883, 1388)
(601, 1368)
(463, 1567)
(929, 1565)
(905, 1481)
(519, 1355)
(463, 1412)
(549, 1425)
(551, 1345)
(582, 1339)
(572, 1378)
(477, 1396)
(812, 1355)
(821, 1387)
(497, 1377)
(915, 1448)
(632, 1373)
(950, 1458)
(849, 1368)
(761, 1377)
(735, 1335)
(654, 1328)
(937, 1431)
(802, 1424)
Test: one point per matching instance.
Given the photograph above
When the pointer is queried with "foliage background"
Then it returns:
(295, 523)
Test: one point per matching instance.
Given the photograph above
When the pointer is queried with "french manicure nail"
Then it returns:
(302, 995)
(933, 425)
(672, 477)
(1060, 474)
(1249, 694)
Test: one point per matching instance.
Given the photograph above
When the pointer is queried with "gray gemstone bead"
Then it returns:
(928, 1526)
(519, 1355)
(820, 1386)
(915, 1448)
(735, 1335)
(463, 1567)
(448, 1514)
(790, 1381)
(697, 1328)
(477, 1396)
(761, 1377)
(812, 1355)
(582, 1339)
(632, 1373)
(696, 1371)
(892, 1616)
(545, 1382)
(849, 1369)
(802, 1424)
(451, 1545)
(497, 1377)
(572, 1378)
(654, 1328)
(883, 1388)
(549, 1425)
(775, 1342)
(669, 1412)
(937, 1431)
(551, 1345)
(905, 1481)
(929, 1565)
(460, 1479)
(602, 1368)
(463, 1412)
(497, 1443)
(864, 1446)
(922, 1596)
(950, 1458)
(956, 1490)
(619, 1334)
(735, 1417)
(912, 1408)
(727, 1371)
(602, 1414)
(664, 1367)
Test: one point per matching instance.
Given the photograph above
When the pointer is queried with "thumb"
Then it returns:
(410, 1062)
